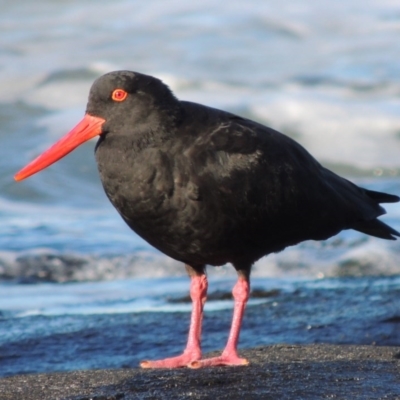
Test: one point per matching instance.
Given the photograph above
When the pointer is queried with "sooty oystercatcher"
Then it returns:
(205, 186)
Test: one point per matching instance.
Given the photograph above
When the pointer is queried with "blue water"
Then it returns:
(325, 73)
(89, 326)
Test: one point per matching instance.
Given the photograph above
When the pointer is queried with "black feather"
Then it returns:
(382, 197)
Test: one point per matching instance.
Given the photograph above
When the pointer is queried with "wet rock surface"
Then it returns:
(276, 372)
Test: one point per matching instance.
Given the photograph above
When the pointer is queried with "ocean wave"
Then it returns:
(337, 257)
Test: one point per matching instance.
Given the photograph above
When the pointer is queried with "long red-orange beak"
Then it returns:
(88, 128)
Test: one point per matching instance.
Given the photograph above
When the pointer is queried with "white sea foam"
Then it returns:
(335, 127)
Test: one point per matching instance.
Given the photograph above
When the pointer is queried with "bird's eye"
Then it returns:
(119, 95)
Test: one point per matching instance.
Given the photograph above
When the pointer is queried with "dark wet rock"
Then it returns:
(393, 320)
(61, 268)
(219, 295)
(276, 372)
(258, 293)
(49, 267)
(355, 268)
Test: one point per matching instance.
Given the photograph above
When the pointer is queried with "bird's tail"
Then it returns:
(375, 227)
(380, 197)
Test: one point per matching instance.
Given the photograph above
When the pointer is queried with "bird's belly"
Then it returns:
(184, 229)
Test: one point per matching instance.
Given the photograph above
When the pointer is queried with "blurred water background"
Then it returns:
(326, 73)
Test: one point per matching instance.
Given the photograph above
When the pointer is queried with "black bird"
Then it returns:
(205, 186)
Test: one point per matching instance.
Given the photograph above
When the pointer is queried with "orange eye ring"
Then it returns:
(119, 95)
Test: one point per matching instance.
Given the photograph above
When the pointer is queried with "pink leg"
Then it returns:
(198, 293)
(230, 356)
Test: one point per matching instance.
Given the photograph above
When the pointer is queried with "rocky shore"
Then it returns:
(276, 372)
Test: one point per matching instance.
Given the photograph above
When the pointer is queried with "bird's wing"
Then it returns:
(269, 176)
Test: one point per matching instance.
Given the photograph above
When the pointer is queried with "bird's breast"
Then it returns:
(161, 201)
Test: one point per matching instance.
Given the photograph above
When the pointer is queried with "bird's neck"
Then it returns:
(156, 129)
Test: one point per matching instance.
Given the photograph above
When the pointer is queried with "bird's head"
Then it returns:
(118, 101)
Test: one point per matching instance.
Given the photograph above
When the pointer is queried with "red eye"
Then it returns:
(119, 95)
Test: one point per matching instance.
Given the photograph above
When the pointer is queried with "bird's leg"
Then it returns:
(192, 352)
(230, 356)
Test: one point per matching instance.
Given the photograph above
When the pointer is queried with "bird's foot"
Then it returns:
(227, 358)
(173, 362)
